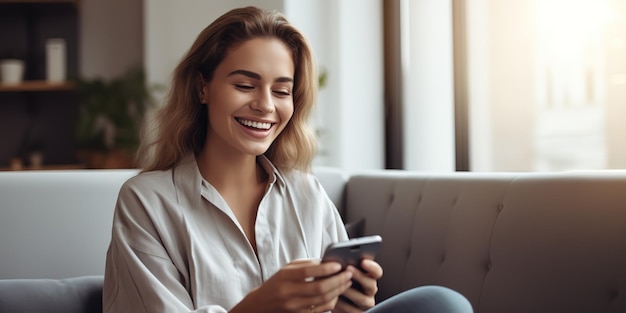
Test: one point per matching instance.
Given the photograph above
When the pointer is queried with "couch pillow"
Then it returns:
(72, 295)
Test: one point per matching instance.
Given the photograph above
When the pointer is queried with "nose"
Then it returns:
(263, 102)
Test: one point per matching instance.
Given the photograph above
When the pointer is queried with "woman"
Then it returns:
(225, 215)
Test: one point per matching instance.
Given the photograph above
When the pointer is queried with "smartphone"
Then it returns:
(353, 251)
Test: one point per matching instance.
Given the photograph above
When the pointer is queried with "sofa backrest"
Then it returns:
(551, 242)
(334, 182)
(56, 224)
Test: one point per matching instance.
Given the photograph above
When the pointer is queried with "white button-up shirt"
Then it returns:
(176, 245)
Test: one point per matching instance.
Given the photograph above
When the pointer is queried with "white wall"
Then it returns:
(347, 40)
(111, 37)
(308, 16)
(170, 27)
(361, 83)
(429, 89)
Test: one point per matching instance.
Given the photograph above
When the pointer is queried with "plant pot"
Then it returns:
(36, 159)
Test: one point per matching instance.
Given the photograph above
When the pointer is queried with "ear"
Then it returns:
(201, 84)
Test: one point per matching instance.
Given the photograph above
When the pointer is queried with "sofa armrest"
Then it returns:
(71, 295)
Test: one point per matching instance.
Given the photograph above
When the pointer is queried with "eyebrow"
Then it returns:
(256, 76)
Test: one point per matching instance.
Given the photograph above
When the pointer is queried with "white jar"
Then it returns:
(11, 71)
(56, 67)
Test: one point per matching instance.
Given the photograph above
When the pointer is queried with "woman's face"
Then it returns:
(250, 97)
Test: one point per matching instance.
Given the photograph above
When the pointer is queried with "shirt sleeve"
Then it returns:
(140, 276)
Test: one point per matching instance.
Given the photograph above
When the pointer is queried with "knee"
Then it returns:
(433, 299)
(445, 295)
(444, 299)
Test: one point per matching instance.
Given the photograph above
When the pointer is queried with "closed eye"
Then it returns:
(282, 93)
(244, 87)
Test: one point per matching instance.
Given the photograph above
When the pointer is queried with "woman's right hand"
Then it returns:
(301, 286)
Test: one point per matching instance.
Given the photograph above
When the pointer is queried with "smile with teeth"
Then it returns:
(254, 124)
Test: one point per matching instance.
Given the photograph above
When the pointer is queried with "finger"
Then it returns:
(372, 268)
(359, 299)
(329, 287)
(323, 306)
(368, 285)
(345, 307)
(304, 292)
(309, 271)
(301, 262)
(322, 294)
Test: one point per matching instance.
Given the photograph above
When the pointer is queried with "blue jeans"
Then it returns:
(425, 299)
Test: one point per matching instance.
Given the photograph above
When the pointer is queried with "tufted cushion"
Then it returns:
(72, 295)
(509, 242)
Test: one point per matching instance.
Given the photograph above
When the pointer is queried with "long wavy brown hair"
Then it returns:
(181, 124)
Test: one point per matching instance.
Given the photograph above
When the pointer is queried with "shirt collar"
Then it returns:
(188, 179)
(271, 170)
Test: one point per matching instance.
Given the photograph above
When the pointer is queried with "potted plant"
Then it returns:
(110, 118)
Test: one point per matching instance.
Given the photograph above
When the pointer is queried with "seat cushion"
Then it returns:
(71, 295)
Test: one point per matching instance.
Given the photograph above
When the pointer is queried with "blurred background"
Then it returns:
(429, 85)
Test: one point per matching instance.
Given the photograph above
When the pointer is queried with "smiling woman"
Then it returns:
(249, 89)
(201, 62)
(226, 215)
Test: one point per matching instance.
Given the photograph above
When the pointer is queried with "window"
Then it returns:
(546, 84)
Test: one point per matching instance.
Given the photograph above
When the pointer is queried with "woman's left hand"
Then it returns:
(361, 299)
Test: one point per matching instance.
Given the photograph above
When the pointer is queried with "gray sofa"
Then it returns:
(77, 294)
(510, 242)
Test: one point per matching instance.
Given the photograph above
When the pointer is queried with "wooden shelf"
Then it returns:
(25, 107)
(47, 168)
(37, 85)
(41, 1)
